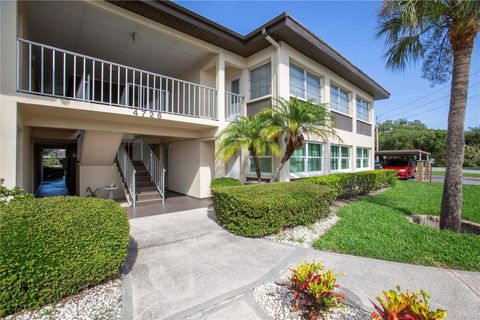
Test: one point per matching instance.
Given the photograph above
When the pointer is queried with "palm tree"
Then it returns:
(246, 133)
(295, 119)
(442, 33)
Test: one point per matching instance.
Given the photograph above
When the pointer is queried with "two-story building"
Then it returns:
(136, 92)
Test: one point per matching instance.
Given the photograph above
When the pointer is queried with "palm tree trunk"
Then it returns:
(256, 161)
(451, 209)
(289, 150)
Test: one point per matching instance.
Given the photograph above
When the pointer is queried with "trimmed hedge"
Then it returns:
(258, 210)
(352, 184)
(54, 247)
(225, 182)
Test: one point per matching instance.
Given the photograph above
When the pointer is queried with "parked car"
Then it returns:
(405, 168)
(378, 165)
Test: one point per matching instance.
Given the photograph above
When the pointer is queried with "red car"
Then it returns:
(405, 168)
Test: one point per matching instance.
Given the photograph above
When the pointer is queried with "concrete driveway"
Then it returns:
(183, 265)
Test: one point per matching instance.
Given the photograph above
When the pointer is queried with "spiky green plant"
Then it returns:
(246, 133)
(294, 120)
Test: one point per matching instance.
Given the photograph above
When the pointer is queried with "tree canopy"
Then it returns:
(403, 134)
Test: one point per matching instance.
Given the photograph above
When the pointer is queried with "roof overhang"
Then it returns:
(400, 152)
(282, 28)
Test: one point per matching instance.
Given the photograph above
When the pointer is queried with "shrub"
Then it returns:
(313, 289)
(54, 247)
(258, 210)
(352, 184)
(225, 182)
(6, 194)
(406, 306)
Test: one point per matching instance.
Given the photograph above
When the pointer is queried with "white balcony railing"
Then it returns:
(234, 106)
(49, 71)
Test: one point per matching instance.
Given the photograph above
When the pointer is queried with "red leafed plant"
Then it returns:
(313, 289)
(406, 306)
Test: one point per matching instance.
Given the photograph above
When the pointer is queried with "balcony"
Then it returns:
(48, 71)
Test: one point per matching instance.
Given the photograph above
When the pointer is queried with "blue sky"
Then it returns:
(349, 27)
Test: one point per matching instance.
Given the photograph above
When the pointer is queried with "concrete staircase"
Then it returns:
(146, 191)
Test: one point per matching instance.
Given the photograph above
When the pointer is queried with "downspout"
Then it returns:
(276, 62)
(276, 59)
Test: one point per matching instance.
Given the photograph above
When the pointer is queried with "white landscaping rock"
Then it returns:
(102, 302)
(275, 300)
(304, 236)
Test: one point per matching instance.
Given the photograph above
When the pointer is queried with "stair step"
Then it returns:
(148, 196)
(147, 202)
(146, 189)
(145, 183)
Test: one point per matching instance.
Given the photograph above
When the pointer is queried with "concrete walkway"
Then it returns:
(184, 266)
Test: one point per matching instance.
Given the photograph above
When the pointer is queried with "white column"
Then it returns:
(353, 104)
(283, 91)
(9, 168)
(326, 101)
(245, 87)
(220, 85)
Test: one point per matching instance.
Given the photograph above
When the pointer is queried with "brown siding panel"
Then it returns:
(364, 128)
(343, 122)
(257, 106)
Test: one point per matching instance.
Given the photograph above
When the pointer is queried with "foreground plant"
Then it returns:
(313, 289)
(406, 306)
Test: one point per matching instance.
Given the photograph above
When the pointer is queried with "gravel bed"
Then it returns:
(103, 301)
(304, 236)
(276, 300)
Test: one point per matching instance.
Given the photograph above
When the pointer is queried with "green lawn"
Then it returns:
(376, 227)
(465, 174)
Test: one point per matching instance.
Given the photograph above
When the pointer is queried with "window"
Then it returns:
(363, 157)
(363, 112)
(339, 99)
(304, 85)
(266, 164)
(261, 81)
(307, 159)
(339, 158)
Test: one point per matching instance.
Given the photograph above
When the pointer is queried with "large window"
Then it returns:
(339, 158)
(339, 99)
(363, 110)
(266, 164)
(363, 158)
(261, 81)
(307, 159)
(305, 85)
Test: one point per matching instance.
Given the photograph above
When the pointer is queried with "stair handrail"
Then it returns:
(153, 165)
(128, 171)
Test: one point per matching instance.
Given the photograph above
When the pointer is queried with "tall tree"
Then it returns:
(442, 33)
(294, 119)
(246, 133)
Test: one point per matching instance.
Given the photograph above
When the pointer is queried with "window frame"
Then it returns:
(305, 90)
(362, 158)
(368, 104)
(349, 99)
(306, 172)
(250, 163)
(340, 158)
(250, 81)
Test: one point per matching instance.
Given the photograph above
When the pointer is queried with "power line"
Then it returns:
(427, 103)
(436, 108)
(422, 97)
